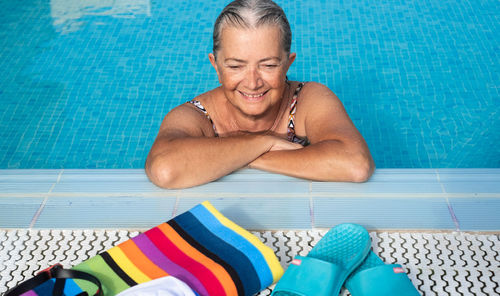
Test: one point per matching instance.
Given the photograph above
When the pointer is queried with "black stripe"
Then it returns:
(112, 264)
(226, 251)
(230, 270)
(59, 287)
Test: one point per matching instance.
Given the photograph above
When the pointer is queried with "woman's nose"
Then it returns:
(253, 78)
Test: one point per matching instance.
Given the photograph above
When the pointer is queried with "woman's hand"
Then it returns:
(283, 144)
(275, 141)
(277, 144)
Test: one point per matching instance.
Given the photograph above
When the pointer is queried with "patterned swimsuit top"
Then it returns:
(291, 118)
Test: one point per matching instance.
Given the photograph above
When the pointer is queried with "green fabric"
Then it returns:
(112, 284)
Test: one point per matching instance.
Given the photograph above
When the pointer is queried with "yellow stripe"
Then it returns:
(269, 256)
(127, 266)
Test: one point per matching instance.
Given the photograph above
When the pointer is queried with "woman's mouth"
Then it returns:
(253, 96)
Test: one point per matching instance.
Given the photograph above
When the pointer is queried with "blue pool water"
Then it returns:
(85, 84)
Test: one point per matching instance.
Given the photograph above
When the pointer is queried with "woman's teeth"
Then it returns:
(253, 96)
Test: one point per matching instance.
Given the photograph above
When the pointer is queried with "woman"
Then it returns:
(257, 118)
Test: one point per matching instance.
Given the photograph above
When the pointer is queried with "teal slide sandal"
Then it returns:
(326, 267)
(375, 278)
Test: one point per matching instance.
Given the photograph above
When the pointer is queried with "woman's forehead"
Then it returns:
(238, 41)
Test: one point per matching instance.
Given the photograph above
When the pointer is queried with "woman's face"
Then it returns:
(252, 66)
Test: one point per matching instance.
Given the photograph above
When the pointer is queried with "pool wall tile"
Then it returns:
(383, 213)
(471, 188)
(18, 212)
(250, 187)
(329, 188)
(477, 214)
(469, 175)
(258, 175)
(406, 175)
(258, 212)
(106, 181)
(28, 181)
(391, 199)
(105, 212)
(470, 182)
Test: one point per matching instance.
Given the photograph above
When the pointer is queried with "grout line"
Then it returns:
(44, 202)
(58, 178)
(311, 206)
(450, 208)
(176, 206)
(398, 195)
(38, 212)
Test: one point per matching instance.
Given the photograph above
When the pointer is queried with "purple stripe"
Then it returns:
(157, 257)
(29, 293)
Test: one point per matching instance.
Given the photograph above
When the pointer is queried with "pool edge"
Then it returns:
(410, 199)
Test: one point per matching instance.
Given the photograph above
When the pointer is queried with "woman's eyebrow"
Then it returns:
(278, 59)
(260, 61)
(234, 60)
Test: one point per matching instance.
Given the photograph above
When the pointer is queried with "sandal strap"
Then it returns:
(60, 274)
(309, 276)
(388, 279)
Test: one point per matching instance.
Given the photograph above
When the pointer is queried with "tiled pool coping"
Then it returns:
(399, 199)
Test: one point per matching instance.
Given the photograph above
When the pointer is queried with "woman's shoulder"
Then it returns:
(314, 92)
(203, 98)
(313, 86)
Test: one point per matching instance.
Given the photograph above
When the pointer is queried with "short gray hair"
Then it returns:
(252, 14)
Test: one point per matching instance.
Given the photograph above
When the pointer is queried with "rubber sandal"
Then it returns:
(326, 267)
(375, 278)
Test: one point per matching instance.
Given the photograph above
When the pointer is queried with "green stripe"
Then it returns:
(112, 284)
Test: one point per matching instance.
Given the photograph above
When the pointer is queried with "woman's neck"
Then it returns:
(237, 121)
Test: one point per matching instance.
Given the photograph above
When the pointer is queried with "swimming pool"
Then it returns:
(85, 84)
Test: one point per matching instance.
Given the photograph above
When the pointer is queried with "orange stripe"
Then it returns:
(220, 273)
(140, 260)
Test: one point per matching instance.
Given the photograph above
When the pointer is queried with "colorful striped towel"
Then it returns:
(201, 247)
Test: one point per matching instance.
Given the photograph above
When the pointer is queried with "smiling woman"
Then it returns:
(256, 117)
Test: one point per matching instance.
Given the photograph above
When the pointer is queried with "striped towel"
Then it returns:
(201, 247)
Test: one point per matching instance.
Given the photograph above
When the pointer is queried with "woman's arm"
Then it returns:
(186, 153)
(337, 151)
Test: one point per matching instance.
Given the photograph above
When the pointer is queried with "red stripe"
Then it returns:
(206, 277)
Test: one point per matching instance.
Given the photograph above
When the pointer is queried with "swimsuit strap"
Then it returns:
(291, 118)
(200, 107)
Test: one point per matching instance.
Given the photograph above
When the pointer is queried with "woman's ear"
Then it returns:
(291, 59)
(213, 61)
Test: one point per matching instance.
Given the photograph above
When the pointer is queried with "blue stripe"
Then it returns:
(229, 236)
(71, 288)
(46, 288)
(226, 252)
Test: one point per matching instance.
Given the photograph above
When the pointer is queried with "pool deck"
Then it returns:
(393, 199)
(443, 225)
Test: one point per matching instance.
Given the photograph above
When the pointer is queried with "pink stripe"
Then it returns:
(157, 257)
